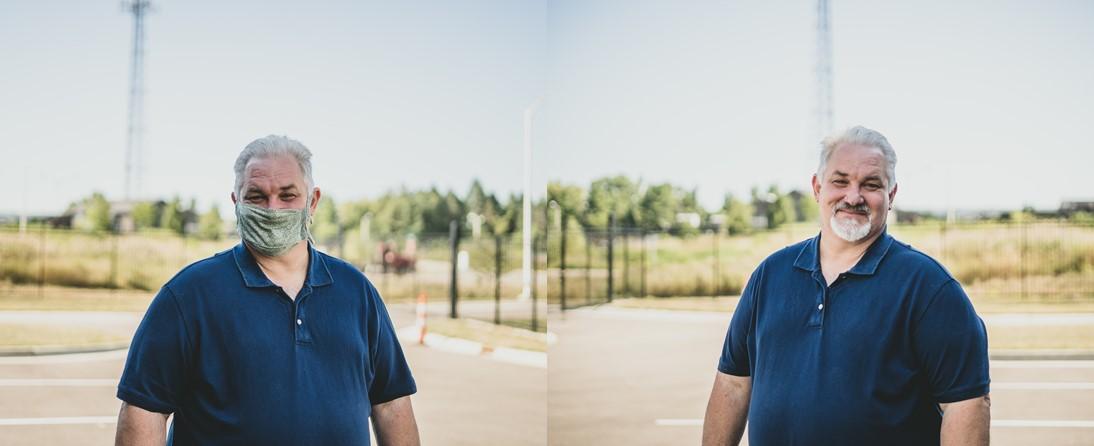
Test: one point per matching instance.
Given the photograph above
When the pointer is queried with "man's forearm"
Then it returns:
(394, 423)
(966, 423)
(727, 410)
(139, 427)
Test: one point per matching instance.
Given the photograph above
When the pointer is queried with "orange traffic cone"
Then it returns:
(421, 318)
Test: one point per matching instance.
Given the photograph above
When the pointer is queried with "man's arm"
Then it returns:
(394, 423)
(966, 422)
(139, 427)
(727, 410)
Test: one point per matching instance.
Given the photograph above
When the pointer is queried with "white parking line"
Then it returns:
(994, 423)
(1042, 423)
(57, 420)
(1044, 385)
(59, 382)
(1047, 364)
(65, 358)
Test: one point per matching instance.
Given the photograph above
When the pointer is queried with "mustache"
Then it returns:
(843, 206)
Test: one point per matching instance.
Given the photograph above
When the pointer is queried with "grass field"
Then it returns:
(489, 334)
(1046, 260)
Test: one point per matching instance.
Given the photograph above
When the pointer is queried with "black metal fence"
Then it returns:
(474, 275)
(1043, 260)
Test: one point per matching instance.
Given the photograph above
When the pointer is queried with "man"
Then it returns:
(271, 342)
(852, 337)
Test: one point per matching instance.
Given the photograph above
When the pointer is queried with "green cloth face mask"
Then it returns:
(272, 232)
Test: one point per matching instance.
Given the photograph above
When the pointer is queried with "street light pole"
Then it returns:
(526, 221)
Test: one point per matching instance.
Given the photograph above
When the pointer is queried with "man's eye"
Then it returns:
(288, 197)
(840, 182)
(873, 186)
(253, 198)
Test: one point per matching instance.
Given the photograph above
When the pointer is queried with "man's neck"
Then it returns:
(835, 249)
(295, 261)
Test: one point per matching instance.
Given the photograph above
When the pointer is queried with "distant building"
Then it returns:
(1067, 208)
(121, 216)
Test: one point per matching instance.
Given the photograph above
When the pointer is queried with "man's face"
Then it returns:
(853, 193)
(275, 182)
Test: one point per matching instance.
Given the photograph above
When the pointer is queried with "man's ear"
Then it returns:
(314, 200)
(234, 200)
(892, 196)
(816, 188)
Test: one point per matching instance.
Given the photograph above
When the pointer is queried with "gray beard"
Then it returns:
(850, 230)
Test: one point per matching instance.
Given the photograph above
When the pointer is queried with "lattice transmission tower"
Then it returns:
(134, 145)
(824, 71)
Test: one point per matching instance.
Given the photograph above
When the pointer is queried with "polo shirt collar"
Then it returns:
(253, 277)
(809, 256)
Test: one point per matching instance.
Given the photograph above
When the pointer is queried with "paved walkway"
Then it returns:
(635, 377)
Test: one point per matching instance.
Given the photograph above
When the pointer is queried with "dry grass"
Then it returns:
(39, 335)
(21, 297)
(489, 334)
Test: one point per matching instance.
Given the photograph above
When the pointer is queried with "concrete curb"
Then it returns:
(1036, 355)
(42, 350)
(409, 335)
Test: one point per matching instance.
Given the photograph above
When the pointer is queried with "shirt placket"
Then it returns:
(816, 316)
(301, 322)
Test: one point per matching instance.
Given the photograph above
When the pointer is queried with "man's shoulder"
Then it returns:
(210, 268)
(788, 255)
(342, 271)
(907, 259)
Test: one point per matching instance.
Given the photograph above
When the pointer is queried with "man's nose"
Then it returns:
(854, 197)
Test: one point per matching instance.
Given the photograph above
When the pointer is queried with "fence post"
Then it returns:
(642, 271)
(716, 289)
(535, 283)
(588, 268)
(114, 261)
(42, 260)
(1022, 268)
(497, 279)
(627, 262)
(611, 259)
(562, 263)
(454, 242)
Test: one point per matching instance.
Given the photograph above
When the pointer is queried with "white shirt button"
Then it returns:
(819, 307)
(298, 322)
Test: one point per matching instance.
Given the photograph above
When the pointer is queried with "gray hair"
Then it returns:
(863, 136)
(270, 146)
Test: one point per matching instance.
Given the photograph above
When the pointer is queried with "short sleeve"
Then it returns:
(391, 376)
(735, 358)
(951, 343)
(155, 372)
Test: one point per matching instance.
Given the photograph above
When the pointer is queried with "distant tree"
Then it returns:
(97, 212)
(511, 218)
(738, 215)
(210, 225)
(571, 199)
(173, 216)
(611, 195)
(657, 207)
(780, 209)
(145, 215)
(808, 207)
(325, 228)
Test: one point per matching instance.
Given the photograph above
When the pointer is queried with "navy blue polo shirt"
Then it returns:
(866, 360)
(239, 362)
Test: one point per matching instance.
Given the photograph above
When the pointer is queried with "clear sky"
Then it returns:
(989, 104)
(384, 93)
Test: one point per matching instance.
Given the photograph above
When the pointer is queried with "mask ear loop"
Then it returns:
(308, 221)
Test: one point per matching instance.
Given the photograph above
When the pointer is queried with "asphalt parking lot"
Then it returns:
(462, 400)
(639, 377)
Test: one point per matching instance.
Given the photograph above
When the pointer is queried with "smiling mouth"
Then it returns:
(848, 211)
